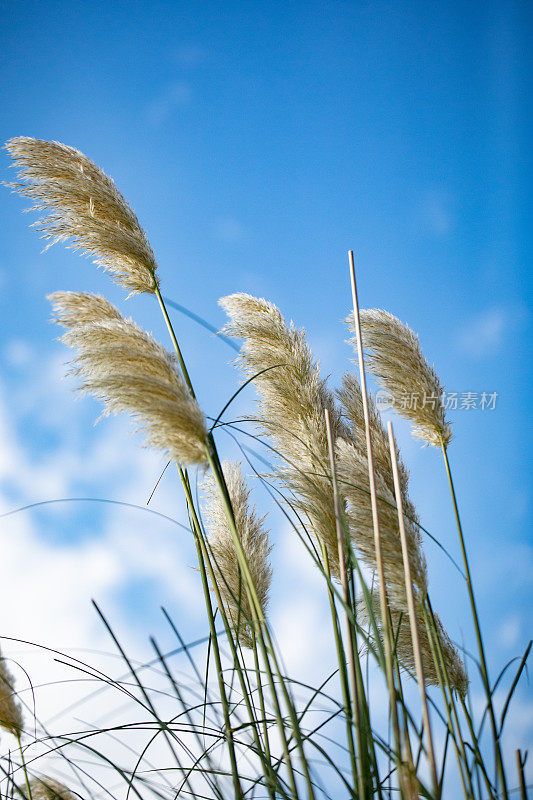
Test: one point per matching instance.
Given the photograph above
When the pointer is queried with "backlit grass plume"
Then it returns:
(353, 470)
(11, 718)
(85, 208)
(255, 544)
(353, 473)
(396, 359)
(446, 655)
(124, 367)
(49, 789)
(292, 401)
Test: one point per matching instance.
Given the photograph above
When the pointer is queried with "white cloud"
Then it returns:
(46, 586)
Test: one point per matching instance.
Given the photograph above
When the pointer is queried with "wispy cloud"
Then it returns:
(436, 212)
(486, 332)
(229, 229)
(163, 106)
(189, 55)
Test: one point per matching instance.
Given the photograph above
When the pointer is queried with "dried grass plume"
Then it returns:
(85, 208)
(123, 366)
(292, 401)
(11, 718)
(396, 359)
(451, 659)
(255, 544)
(46, 788)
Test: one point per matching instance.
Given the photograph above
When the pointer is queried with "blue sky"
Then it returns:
(258, 142)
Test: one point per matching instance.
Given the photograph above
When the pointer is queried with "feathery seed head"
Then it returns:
(75, 308)
(85, 208)
(352, 404)
(11, 718)
(49, 789)
(292, 401)
(396, 359)
(255, 544)
(352, 472)
(404, 647)
(124, 367)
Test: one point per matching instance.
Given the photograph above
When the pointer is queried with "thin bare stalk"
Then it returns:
(479, 638)
(375, 521)
(413, 617)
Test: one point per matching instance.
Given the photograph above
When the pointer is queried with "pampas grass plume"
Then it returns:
(83, 207)
(255, 544)
(123, 366)
(11, 718)
(292, 402)
(396, 359)
(453, 663)
(49, 789)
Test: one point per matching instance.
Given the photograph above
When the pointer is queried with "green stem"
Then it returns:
(341, 658)
(261, 628)
(271, 790)
(481, 649)
(177, 348)
(451, 712)
(220, 674)
(26, 777)
(214, 461)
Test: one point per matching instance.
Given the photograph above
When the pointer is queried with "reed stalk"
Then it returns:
(375, 520)
(362, 770)
(413, 618)
(500, 770)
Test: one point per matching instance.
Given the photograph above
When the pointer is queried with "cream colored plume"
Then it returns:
(124, 367)
(352, 405)
(404, 647)
(46, 788)
(85, 208)
(352, 474)
(396, 359)
(11, 718)
(255, 544)
(292, 401)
